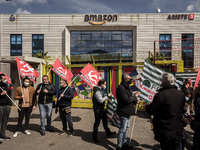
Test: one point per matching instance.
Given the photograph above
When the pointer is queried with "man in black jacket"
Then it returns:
(64, 105)
(167, 108)
(5, 108)
(98, 100)
(125, 108)
(45, 90)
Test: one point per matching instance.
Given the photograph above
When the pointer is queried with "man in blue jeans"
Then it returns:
(45, 90)
(125, 108)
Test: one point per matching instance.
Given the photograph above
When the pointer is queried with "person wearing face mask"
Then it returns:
(46, 91)
(64, 105)
(27, 103)
(5, 108)
(98, 100)
(125, 108)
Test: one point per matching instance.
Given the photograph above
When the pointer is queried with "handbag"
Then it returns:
(67, 109)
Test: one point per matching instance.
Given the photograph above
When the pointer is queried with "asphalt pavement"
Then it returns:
(83, 120)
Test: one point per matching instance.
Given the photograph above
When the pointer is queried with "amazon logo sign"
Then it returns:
(100, 19)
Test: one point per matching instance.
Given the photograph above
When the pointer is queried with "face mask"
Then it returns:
(61, 85)
(5, 81)
(26, 84)
(186, 98)
(129, 82)
(104, 87)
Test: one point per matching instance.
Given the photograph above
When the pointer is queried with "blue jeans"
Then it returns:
(66, 117)
(167, 146)
(122, 134)
(45, 110)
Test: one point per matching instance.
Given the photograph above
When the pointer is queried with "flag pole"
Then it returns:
(68, 86)
(11, 99)
(21, 86)
(133, 124)
(49, 72)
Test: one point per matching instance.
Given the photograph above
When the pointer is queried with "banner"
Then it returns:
(151, 81)
(9, 83)
(111, 112)
(90, 75)
(197, 79)
(62, 71)
(24, 69)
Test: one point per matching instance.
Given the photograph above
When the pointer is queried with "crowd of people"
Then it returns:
(172, 109)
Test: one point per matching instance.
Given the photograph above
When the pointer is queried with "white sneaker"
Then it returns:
(27, 132)
(16, 134)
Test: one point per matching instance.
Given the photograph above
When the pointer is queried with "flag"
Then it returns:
(151, 81)
(75, 93)
(197, 79)
(24, 69)
(9, 83)
(90, 75)
(184, 75)
(61, 70)
(111, 112)
(81, 87)
(133, 74)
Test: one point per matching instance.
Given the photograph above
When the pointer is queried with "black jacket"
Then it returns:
(195, 125)
(125, 100)
(96, 104)
(4, 100)
(49, 96)
(66, 100)
(167, 108)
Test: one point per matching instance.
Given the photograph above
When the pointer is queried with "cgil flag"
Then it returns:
(151, 81)
(61, 70)
(111, 112)
(24, 69)
(90, 75)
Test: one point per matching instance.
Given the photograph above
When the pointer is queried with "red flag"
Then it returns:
(197, 79)
(24, 69)
(9, 83)
(61, 70)
(90, 75)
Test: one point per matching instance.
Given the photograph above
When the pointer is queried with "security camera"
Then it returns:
(158, 10)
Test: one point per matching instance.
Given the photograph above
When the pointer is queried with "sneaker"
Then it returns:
(42, 132)
(63, 132)
(27, 132)
(3, 137)
(95, 140)
(126, 146)
(50, 130)
(16, 134)
(110, 134)
(70, 133)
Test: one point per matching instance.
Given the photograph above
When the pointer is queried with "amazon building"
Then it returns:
(103, 38)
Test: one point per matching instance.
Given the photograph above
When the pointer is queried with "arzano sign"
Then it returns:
(181, 17)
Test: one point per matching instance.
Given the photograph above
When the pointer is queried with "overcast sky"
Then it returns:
(97, 6)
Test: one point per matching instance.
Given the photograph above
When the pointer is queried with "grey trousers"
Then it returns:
(4, 115)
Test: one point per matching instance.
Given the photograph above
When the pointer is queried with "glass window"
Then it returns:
(15, 45)
(94, 42)
(188, 50)
(165, 45)
(37, 43)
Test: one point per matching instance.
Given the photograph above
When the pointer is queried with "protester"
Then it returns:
(167, 108)
(5, 108)
(64, 105)
(45, 90)
(196, 94)
(195, 125)
(125, 108)
(27, 103)
(98, 100)
(185, 88)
